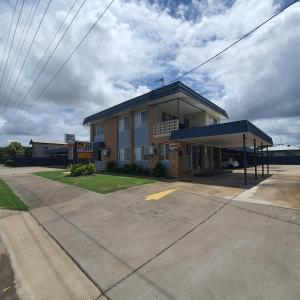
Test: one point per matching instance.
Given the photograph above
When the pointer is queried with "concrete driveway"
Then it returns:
(200, 241)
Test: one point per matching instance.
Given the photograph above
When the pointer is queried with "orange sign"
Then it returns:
(85, 155)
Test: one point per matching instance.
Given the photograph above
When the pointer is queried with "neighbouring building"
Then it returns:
(45, 149)
(284, 154)
(172, 124)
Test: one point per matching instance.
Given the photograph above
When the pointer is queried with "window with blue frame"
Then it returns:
(98, 129)
(141, 119)
(140, 153)
(123, 123)
(123, 154)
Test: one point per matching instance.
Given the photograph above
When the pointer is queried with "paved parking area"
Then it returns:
(200, 241)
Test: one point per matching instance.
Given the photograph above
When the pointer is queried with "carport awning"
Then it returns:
(224, 135)
(98, 146)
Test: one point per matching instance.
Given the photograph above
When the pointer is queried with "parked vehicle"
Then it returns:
(230, 163)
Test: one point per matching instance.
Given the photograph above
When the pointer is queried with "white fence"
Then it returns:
(165, 128)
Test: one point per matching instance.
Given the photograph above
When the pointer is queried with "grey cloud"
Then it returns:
(258, 80)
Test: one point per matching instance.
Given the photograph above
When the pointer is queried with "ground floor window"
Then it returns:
(164, 151)
(123, 154)
(139, 153)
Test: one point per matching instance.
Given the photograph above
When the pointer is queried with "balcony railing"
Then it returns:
(165, 128)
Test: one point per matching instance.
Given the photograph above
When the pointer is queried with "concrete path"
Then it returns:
(197, 242)
(282, 189)
(41, 270)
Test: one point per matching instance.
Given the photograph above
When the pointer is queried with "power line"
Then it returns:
(11, 44)
(27, 54)
(51, 54)
(10, 26)
(231, 45)
(45, 52)
(14, 62)
(72, 53)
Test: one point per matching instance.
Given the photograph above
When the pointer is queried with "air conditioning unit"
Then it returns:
(149, 150)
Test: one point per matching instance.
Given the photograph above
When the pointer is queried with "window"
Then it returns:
(124, 154)
(139, 153)
(99, 129)
(164, 151)
(168, 117)
(123, 123)
(144, 118)
(141, 119)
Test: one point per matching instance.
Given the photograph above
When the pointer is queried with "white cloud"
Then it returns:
(138, 42)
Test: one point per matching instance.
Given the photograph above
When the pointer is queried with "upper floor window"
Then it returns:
(123, 123)
(167, 117)
(141, 119)
(98, 129)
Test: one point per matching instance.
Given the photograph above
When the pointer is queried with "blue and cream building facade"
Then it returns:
(172, 124)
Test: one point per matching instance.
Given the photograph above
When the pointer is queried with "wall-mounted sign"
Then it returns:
(85, 155)
(71, 151)
(69, 138)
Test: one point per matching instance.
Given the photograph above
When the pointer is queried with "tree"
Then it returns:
(15, 149)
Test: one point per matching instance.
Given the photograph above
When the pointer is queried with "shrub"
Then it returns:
(90, 169)
(125, 169)
(80, 170)
(133, 168)
(111, 166)
(159, 170)
(145, 172)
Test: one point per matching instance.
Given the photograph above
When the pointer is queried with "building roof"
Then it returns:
(164, 91)
(32, 141)
(284, 147)
(226, 134)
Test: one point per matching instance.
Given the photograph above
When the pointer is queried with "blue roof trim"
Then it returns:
(243, 126)
(164, 91)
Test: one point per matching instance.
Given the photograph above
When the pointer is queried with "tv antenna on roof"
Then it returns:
(162, 80)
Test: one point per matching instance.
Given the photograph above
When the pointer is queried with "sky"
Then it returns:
(137, 42)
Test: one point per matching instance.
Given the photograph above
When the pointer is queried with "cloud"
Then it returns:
(137, 42)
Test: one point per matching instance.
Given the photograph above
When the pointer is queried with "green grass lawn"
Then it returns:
(99, 183)
(8, 199)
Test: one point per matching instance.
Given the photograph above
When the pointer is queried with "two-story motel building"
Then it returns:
(172, 124)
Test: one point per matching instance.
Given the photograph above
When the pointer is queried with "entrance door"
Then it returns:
(196, 157)
(98, 161)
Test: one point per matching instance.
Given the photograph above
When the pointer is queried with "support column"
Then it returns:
(245, 160)
(268, 160)
(178, 109)
(255, 159)
(262, 160)
(131, 136)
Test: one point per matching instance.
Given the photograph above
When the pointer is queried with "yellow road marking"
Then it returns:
(158, 196)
